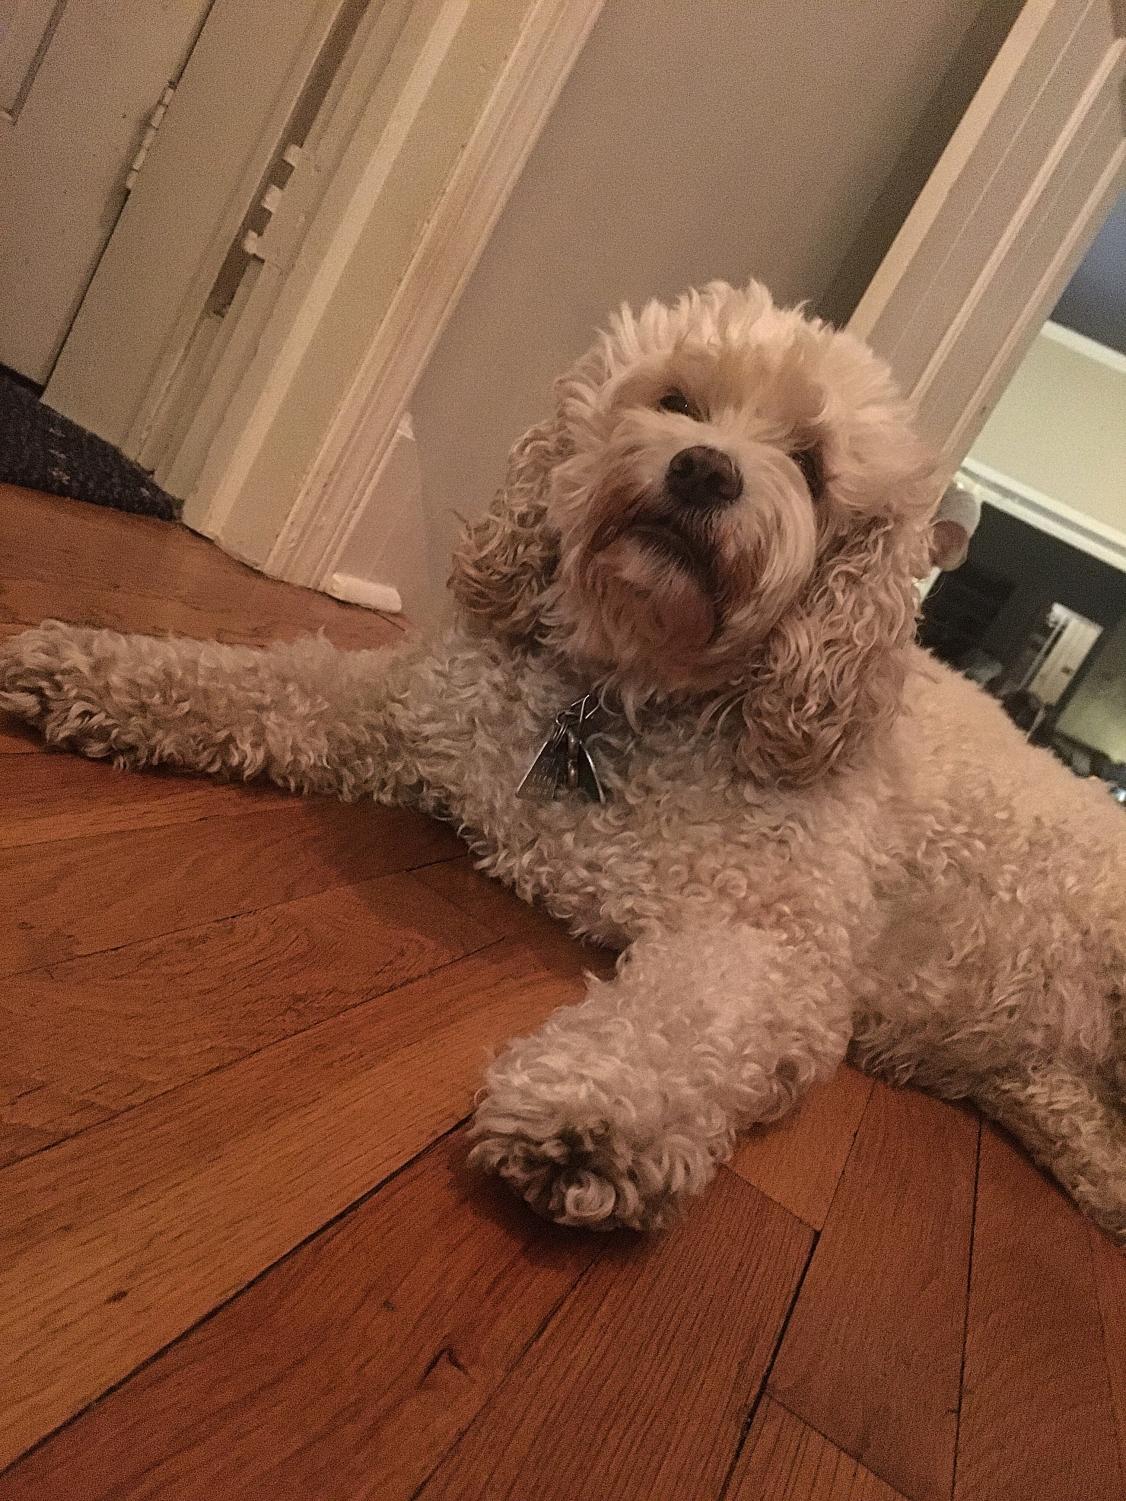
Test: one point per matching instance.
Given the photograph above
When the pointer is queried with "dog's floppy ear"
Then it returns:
(831, 671)
(506, 560)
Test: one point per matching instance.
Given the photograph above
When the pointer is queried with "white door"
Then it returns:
(79, 82)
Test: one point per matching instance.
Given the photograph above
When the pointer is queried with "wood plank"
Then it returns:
(57, 796)
(784, 1459)
(1037, 1413)
(798, 1160)
(502, 912)
(18, 739)
(348, 1370)
(250, 620)
(640, 1385)
(90, 1038)
(1109, 1263)
(872, 1354)
(46, 539)
(101, 567)
(80, 896)
(114, 1243)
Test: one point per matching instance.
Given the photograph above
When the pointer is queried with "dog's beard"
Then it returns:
(676, 599)
(658, 575)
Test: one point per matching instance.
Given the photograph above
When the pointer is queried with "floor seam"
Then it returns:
(966, 1315)
(219, 1068)
(764, 1381)
(228, 917)
(528, 1345)
(238, 1292)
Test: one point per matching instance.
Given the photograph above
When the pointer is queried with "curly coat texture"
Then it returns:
(816, 841)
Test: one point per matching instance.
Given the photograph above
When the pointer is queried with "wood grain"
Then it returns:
(18, 739)
(114, 1243)
(96, 566)
(784, 1460)
(1037, 1414)
(798, 1160)
(79, 896)
(872, 1353)
(58, 796)
(501, 911)
(249, 622)
(348, 1370)
(1109, 1263)
(640, 1385)
(88, 1039)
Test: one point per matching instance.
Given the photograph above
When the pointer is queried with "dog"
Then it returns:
(682, 708)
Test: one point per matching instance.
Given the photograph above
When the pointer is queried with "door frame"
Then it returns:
(1005, 218)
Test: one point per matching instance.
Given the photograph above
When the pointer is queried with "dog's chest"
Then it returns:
(678, 825)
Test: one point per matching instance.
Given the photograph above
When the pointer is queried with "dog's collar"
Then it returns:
(565, 763)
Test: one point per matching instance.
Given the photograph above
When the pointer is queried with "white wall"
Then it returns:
(722, 138)
(1060, 426)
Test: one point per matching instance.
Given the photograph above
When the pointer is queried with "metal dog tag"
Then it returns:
(564, 763)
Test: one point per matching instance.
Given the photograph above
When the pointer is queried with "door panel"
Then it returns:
(78, 82)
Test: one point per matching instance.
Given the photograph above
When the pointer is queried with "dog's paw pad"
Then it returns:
(580, 1175)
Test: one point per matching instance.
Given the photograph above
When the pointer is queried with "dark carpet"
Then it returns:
(42, 450)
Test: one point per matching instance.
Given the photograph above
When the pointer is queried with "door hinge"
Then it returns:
(152, 125)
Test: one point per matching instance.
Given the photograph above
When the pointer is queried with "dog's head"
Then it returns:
(728, 504)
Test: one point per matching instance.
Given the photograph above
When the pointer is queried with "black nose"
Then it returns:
(703, 476)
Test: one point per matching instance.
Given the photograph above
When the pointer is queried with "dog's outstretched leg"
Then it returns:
(309, 717)
(1072, 1128)
(621, 1105)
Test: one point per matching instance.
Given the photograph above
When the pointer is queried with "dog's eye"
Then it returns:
(676, 401)
(808, 461)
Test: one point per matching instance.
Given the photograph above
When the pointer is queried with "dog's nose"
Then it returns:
(703, 477)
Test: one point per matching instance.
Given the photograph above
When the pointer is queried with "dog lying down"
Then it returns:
(689, 615)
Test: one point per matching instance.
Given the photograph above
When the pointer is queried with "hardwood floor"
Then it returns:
(240, 1252)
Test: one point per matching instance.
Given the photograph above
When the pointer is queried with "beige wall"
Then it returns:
(1060, 426)
(715, 138)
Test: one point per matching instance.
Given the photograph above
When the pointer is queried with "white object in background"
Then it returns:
(364, 592)
(1069, 637)
(80, 86)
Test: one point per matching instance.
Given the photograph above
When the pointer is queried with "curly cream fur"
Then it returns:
(816, 839)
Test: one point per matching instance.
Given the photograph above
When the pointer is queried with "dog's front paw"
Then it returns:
(47, 678)
(585, 1172)
(33, 666)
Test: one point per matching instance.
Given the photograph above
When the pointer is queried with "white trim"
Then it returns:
(1018, 195)
(1109, 69)
(1047, 514)
(1091, 349)
(359, 591)
(330, 501)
